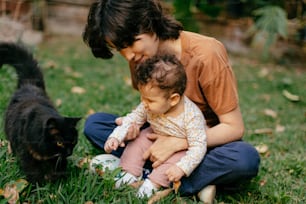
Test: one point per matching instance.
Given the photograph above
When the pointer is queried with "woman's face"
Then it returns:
(144, 47)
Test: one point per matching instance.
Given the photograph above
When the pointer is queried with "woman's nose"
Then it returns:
(128, 54)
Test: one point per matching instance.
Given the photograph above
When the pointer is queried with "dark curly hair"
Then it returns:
(164, 71)
(119, 21)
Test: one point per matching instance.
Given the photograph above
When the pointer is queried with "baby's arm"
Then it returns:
(196, 137)
(137, 116)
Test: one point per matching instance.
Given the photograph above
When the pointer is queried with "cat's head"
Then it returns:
(61, 135)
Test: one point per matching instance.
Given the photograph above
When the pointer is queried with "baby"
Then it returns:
(161, 81)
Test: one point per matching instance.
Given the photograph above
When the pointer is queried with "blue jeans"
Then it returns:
(226, 164)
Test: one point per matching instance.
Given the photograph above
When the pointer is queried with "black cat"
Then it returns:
(39, 136)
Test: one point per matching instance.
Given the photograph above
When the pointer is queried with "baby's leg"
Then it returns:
(158, 176)
(132, 158)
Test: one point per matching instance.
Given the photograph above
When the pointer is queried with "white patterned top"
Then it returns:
(189, 124)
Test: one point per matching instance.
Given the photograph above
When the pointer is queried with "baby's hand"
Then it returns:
(133, 129)
(175, 173)
(111, 144)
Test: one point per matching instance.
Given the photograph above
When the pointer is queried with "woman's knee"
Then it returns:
(247, 160)
(89, 124)
(98, 127)
(98, 122)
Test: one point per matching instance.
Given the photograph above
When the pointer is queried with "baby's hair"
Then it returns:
(164, 71)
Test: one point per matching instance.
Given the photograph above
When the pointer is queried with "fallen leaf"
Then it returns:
(9, 148)
(262, 182)
(159, 195)
(78, 90)
(270, 112)
(76, 74)
(128, 81)
(262, 149)
(176, 186)
(90, 111)
(266, 97)
(68, 69)
(2, 143)
(83, 161)
(280, 128)
(291, 96)
(263, 72)
(58, 102)
(12, 189)
(263, 131)
(102, 87)
(21, 184)
(100, 172)
(51, 65)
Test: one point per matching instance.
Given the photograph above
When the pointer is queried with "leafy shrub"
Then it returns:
(270, 23)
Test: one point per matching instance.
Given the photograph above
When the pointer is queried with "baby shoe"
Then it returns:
(106, 161)
(146, 189)
(125, 178)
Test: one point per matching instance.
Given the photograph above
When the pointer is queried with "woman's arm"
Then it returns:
(231, 128)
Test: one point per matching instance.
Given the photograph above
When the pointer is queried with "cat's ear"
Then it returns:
(72, 120)
(51, 126)
(50, 123)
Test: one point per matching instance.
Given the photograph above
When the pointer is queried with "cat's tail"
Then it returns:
(27, 68)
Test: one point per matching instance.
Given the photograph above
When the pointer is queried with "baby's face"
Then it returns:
(154, 99)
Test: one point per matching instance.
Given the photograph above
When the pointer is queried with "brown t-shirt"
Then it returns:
(211, 83)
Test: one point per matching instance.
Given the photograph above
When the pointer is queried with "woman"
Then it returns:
(139, 29)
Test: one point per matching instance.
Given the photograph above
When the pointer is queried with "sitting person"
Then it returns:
(140, 29)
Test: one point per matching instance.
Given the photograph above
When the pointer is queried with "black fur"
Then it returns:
(39, 136)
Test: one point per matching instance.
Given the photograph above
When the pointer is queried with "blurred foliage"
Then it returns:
(270, 17)
(184, 15)
(270, 23)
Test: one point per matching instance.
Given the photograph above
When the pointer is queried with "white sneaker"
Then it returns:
(146, 189)
(106, 161)
(207, 194)
(125, 178)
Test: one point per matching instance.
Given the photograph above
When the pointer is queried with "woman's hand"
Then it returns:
(133, 130)
(174, 173)
(163, 148)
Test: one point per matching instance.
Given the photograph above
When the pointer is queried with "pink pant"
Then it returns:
(132, 159)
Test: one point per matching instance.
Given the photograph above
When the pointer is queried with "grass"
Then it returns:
(271, 119)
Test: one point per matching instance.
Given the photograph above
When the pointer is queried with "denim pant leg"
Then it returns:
(98, 127)
(226, 164)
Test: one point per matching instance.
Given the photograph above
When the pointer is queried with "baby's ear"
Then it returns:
(175, 99)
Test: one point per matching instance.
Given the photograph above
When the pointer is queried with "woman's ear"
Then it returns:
(174, 99)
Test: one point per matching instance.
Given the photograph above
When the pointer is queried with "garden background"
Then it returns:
(266, 43)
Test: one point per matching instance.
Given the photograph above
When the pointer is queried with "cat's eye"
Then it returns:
(60, 144)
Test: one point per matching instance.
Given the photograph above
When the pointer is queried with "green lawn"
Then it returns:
(271, 119)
